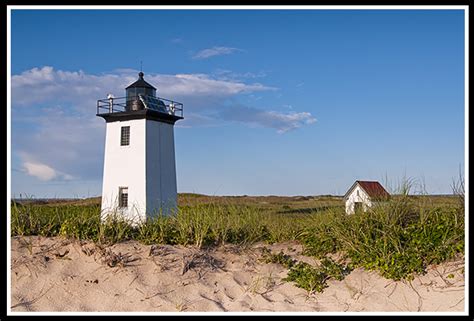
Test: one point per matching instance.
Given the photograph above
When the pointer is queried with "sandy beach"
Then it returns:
(56, 274)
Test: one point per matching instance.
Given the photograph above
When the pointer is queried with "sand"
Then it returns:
(55, 274)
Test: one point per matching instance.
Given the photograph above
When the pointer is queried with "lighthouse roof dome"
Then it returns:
(140, 83)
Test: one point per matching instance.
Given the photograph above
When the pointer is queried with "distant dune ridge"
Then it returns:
(186, 198)
(57, 274)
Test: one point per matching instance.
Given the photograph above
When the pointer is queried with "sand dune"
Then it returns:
(54, 274)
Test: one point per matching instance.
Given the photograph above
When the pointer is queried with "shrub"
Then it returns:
(398, 239)
(280, 258)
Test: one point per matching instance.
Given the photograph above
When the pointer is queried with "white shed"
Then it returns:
(364, 194)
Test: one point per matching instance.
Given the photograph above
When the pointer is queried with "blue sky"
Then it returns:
(276, 102)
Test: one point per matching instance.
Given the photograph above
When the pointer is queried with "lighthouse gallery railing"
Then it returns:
(130, 103)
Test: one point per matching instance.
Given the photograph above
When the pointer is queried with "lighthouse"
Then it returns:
(139, 178)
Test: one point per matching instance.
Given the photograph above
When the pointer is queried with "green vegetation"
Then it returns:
(280, 258)
(303, 274)
(199, 224)
(306, 276)
(315, 278)
(397, 239)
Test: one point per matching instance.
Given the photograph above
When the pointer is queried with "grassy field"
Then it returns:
(201, 219)
(397, 239)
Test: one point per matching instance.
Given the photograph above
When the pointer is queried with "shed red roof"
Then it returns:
(374, 189)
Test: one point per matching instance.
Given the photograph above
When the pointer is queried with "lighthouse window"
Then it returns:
(125, 136)
(123, 196)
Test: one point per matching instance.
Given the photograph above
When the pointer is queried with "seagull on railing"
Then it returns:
(111, 97)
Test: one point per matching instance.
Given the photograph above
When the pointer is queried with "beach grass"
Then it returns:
(398, 238)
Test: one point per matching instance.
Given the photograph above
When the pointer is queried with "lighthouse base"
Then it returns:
(139, 180)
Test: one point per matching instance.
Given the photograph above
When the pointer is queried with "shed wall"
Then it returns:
(353, 198)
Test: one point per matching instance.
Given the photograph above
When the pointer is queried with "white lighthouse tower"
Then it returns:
(139, 163)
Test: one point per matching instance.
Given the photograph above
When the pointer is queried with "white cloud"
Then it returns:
(282, 122)
(40, 85)
(225, 74)
(41, 171)
(285, 122)
(66, 141)
(44, 172)
(58, 137)
(204, 85)
(215, 51)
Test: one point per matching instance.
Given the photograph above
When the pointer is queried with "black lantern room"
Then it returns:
(137, 92)
(140, 102)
